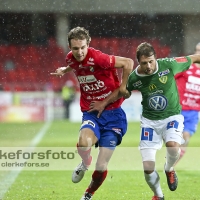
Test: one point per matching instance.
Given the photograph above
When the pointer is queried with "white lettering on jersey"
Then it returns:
(92, 87)
(103, 95)
(193, 87)
(86, 79)
(193, 79)
(190, 102)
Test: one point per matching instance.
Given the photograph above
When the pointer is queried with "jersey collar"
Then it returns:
(143, 75)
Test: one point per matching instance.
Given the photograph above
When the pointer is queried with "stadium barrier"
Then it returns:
(48, 105)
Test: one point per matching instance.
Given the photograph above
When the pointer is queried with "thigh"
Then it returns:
(191, 119)
(149, 138)
(109, 139)
(89, 122)
(113, 123)
(174, 129)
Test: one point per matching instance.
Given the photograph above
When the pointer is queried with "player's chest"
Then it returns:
(155, 82)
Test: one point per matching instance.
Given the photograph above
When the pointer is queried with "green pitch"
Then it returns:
(119, 184)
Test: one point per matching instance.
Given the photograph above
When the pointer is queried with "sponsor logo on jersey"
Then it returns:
(192, 87)
(155, 92)
(80, 66)
(163, 79)
(89, 97)
(193, 79)
(103, 95)
(157, 102)
(181, 59)
(136, 84)
(112, 143)
(91, 69)
(86, 79)
(90, 63)
(152, 87)
(98, 85)
(188, 72)
(163, 73)
(172, 124)
(88, 122)
(147, 134)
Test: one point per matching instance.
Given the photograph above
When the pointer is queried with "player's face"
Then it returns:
(147, 65)
(79, 49)
(197, 49)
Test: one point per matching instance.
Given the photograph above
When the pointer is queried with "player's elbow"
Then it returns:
(129, 64)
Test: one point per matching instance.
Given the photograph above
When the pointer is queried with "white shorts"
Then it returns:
(154, 132)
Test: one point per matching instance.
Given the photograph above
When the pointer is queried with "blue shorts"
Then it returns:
(109, 128)
(191, 119)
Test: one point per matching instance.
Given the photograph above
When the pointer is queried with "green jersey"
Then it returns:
(160, 98)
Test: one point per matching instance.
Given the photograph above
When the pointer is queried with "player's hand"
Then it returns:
(97, 106)
(124, 92)
(59, 72)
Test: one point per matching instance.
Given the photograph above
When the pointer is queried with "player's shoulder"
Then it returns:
(133, 75)
(69, 56)
(163, 60)
(181, 59)
(93, 51)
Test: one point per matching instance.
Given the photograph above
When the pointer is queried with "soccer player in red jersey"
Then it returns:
(98, 77)
(188, 83)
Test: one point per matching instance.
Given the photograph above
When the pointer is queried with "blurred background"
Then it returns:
(33, 43)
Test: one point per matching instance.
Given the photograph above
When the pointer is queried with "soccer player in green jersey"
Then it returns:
(161, 120)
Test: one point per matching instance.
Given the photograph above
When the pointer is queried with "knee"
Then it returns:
(172, 148)
(148, 166)
(101, 166)
(85, 141)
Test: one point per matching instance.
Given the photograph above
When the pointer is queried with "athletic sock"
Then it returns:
(85, 155)
(182, 153)
(171, 160)
(97, 179)
(153, 180)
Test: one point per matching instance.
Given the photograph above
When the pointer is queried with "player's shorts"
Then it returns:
(191, 119)
(154, 132)
(109, 128)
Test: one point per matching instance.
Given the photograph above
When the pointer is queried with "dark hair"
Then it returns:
(145, 49)
(79, 33)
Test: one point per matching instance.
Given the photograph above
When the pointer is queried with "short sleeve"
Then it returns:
(180, 64)
(104, 60)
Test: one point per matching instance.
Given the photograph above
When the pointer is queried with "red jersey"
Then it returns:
(97, 77)
(188, 83)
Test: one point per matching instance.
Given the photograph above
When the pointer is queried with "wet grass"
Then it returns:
(57, 185)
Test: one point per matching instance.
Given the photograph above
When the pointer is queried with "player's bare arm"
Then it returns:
(100, 105)
(127, 65)
(195, 58)
(61, 71)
